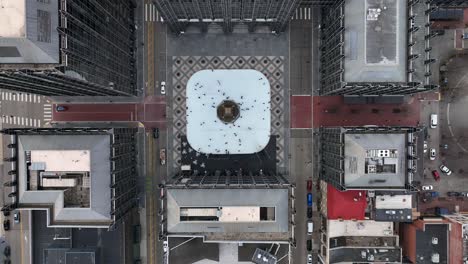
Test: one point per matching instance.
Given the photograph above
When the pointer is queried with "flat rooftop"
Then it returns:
(432, 240)
(28, 32)
(228, 111)
(375, 41)
(374, 160)
(70, 173)
(13, 19)
(234, 200)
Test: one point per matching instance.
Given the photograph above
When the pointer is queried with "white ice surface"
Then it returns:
(207, 89)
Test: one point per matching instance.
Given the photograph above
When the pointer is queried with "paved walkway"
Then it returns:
(151, 112)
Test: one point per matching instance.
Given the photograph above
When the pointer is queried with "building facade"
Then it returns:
(373, 48)
(180, 14)
(83, 177)
(68, 48)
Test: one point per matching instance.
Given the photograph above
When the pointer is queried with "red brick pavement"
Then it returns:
(151, 112)
(301, 111)
(332, 111)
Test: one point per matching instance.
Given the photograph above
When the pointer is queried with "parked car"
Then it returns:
(16, 217)
(432, 156)
(310, 227)
(7, 251)
(309, 185)
(427, 188)
(465, 36)
(309, 200)
(433, 120)
(445, 170)
(61, 108)
(165, 246)
(390, 212)
(6, 225)
(162, 156)
(163, 87)
(425, 146)
(156, 132)
(454, 194)
(309, 258)
(309, 245)
(439, 32)
(433, 194)
(309, 212)
(436, 175)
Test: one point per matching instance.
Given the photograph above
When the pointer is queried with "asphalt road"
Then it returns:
(303, 81)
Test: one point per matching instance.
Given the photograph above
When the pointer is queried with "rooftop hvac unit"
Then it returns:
(383, 153)
(371, 169)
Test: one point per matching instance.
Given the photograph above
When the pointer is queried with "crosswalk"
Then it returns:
(303, 13)
(152, 14)
(20, 97)
(21, 121)
(47, 112)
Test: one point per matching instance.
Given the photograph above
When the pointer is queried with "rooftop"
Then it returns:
(69, 173)
(375, 41)
(272, 219)
(27, 32)
(345, 205)
(374, 160)
(228, 111)
(432, 242)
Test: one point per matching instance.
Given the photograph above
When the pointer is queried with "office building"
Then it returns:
(180, 14)
(82, 177)
(68, 48)
(375, 47)
(369, 158)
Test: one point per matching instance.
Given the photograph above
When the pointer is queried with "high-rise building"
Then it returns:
(369, 158)
(373, 47)
(179, 14)
(83, 177)
(53, 47)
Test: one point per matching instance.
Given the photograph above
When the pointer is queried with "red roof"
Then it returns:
(345, 205)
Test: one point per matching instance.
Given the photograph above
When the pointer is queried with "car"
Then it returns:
(309, 185)
(427, 188)
(439, 32)
(61, 108)
(16, 217)
(390, 212)
(162, 156)
(165, 246)
(156, 132)
(163, 87)
(434, 120)
(436, 175)
(309, 258)
(432, 156)
(6, 225)
(7, 251)
(309, 212)
(454, 194)
(309, 200)
(445, 170)
(464, 36)
(309, 245)
(425, 146)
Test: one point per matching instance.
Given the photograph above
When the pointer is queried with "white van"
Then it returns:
(433, 120)
(310, 227)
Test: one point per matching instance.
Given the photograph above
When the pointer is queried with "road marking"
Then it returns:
(21, 245)
(302, 13)
(47, 112)
(152, 14)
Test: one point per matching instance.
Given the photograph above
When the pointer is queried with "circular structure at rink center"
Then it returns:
(228, 111)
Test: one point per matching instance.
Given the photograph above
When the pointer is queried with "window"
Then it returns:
(43, 25)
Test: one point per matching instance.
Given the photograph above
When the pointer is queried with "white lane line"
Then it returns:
(146, 12)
